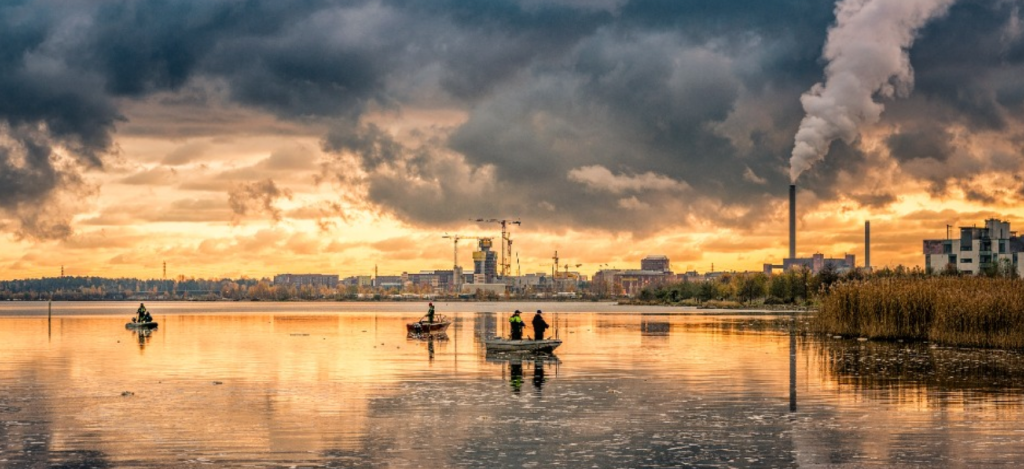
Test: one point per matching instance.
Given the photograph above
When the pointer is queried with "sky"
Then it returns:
(231, 138)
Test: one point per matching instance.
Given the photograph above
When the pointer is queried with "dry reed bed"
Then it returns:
(962, 311)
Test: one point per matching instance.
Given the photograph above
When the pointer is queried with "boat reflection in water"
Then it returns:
(429, 340)
(321, 384)
(516, 364)
(143, 335)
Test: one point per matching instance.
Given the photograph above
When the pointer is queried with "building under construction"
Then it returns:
(485, 262)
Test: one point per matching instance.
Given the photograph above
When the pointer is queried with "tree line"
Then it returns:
(114, 289)
(793, 287)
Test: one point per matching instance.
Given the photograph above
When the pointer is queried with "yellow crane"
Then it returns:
(566, 266)
(456, 270)
(554, 267)
(554, 270)
(505, 263)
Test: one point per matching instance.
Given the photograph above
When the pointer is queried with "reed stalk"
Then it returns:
(958, 311)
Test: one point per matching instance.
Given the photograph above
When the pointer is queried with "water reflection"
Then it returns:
(515, 371)
(517, 364)
(428, 340)
(143, 336)
(282, 386)
(897, 366)
(538, 375)
(654, 325)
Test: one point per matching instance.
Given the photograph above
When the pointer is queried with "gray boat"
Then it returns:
(141, 325)
(501, 345)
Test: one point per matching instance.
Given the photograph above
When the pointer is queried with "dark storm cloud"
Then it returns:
(44, 105)
(965, 61)
(493, 42)
(701, 97)
(654, 88)
(257, 197)
(966, 68)
(927, 142)
(33, 184)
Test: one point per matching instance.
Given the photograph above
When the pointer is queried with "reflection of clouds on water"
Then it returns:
(351, 390)
(588, 423)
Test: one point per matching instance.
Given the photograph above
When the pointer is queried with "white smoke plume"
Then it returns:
(867, 57)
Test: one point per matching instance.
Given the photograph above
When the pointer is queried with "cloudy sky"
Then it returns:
(232, 137)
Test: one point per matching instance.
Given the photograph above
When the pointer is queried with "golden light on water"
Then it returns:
(305, 383)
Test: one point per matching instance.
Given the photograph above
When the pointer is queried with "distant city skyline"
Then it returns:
(231, 139)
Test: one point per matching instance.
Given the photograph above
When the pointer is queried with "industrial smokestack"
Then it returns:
(867, 245)
(792, 221)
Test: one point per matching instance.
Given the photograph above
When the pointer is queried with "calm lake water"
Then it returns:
(340, 385)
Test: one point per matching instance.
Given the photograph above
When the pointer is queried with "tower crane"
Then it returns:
(566, 266)
(554, 267)
(456, 271)
(505, 262)
(554, 270)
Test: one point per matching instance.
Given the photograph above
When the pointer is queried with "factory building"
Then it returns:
(817, 262)
(977, 250)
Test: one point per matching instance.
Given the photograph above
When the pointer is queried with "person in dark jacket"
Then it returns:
(430, 312)
(142, 315)
(539, 326)
(517, 325)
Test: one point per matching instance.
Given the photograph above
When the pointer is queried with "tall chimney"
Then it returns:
(792, 221)
(867, 245)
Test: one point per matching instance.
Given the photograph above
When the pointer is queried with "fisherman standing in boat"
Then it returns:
(539, 326)
(517, 325)
(430, 312)
(142, 315)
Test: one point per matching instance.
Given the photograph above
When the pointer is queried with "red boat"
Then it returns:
(424, 327)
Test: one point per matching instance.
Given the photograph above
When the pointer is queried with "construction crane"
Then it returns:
(554, 270)
(456, 274)
(505, 264)
(554, 267)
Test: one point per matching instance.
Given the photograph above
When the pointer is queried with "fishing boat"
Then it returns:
(141, 325)
(502, 345)
(423, 327)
